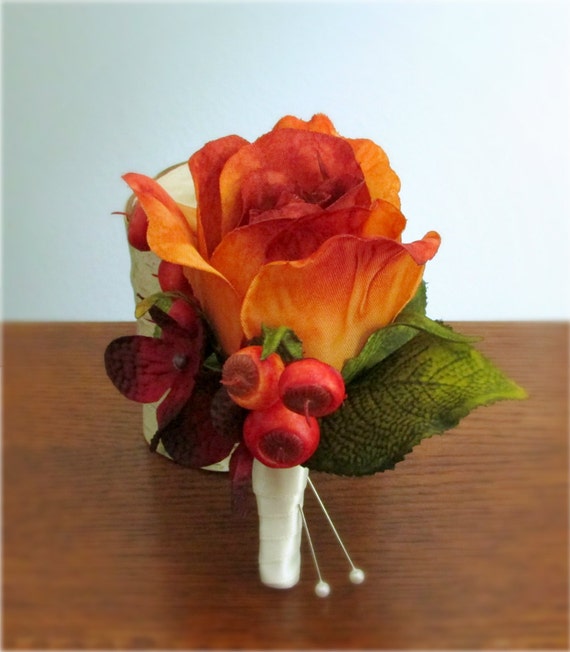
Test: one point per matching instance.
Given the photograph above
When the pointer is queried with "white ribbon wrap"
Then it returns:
(279, 494)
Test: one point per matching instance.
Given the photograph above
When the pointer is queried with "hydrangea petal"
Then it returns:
(190, 438)
(338, 297)
(174, 401)
(140, 367)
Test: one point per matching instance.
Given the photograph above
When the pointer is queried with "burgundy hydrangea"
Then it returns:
(144, 368)
(198, 424)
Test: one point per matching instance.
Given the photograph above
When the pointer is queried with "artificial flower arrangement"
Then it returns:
(283, 322)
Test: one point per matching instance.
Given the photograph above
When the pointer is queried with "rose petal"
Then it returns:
(381, 220)
(140, 367)
(177, 182)
(338, 297)
(425, 249)
(306, 157)
(267, 194)
(385, 221)
(169, 234)
(246, 245)
(206, 165)
(271, 194)
(165, 217)
(292, 211)
(319, 122)
(173, 242)
(284, 239)
(357, 195)
(221, 304)
(381, 180)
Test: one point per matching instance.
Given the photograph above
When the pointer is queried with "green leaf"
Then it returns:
(437, 328)
(281, 340)
(161, 299)
(418, 305)
(213, 363)
(389, 339)
(425, 388)
(386, 340)
(414, 315)
(406, 326)
(379, 346)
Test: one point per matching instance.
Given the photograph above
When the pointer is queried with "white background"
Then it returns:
(469, 99)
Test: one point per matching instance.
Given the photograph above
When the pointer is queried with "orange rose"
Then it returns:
(300, 228)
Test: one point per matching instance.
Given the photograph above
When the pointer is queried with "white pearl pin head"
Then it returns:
(356, 576)
(322, 589)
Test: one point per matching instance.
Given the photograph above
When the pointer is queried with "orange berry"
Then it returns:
(250, 381)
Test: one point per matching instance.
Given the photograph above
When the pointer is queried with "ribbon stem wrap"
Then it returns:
(279, 494)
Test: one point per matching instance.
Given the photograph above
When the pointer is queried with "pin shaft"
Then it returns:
(329, 519)
(322, 588)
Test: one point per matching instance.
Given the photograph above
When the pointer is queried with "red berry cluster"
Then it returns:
(170, 275)
(285, 401)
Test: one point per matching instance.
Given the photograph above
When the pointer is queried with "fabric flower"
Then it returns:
(144, 368)
(206, 429)
(300, 228)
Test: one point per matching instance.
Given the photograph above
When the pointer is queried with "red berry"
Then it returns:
(280, 438)
(137, 227)
(171, 278)
(249, 380)
(182, 312)
(311, 387)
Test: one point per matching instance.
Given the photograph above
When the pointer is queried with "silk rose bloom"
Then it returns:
(300, 228)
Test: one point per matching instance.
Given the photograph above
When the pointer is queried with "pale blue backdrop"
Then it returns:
(469, 99)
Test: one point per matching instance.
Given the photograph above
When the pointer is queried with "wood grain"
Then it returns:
(107, 545)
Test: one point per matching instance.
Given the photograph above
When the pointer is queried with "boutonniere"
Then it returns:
(289, 322)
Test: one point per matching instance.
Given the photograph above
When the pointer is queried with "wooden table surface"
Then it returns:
(107, 545)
